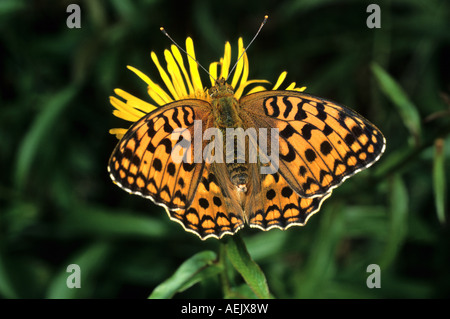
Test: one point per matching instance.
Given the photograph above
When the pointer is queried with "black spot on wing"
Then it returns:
(289, 107)
(290, 156)
(270, 194)
(175, 117)
(157, 165)
(310, 155)
(287, 132)
(306, 131)
(325, 148)
(168, 145)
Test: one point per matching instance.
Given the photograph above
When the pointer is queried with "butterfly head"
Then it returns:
(221, 89)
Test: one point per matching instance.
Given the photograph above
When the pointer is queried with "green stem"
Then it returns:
(226, 286)
(240, 259)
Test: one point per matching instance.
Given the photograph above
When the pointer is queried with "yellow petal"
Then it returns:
(118, 132)
(154, 90)
(135, 102)
(175, 74)
(164, 77)
(125, 116)
(158, 95)
(193, 67)
(240, 64)
(143, 76)
(239, 92)
(124, 111)
(226, 61)
(176, 53)
(291, 86)
(280, 80)
(258, 88)
(138, 106)
(243, 83)
(213, 72)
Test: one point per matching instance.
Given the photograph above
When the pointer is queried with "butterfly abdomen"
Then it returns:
(237, 165)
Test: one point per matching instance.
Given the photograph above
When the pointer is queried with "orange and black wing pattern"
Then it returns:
(321, 143)
(143, 163)
(213, 212)
(279, 206)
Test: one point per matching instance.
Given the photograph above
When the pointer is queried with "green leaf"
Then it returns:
(365, 220)
(439, 184)
(398, 212)
(41, 126)
(9, 7)
(241, 292)
(265, 244)
(193, 270)
(244, 264)
(407, 110)
(99, 220)
(320, 265)
(6, 286)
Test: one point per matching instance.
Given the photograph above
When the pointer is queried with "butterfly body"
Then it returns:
(225, 113)
(320, 144)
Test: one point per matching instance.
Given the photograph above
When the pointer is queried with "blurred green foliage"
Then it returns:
(59, 207)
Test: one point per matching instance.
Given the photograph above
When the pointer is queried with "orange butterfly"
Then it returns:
(320, 144)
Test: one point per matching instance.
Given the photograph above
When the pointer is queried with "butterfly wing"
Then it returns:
(321, 143)
(277, 205)
(142, 162)
(214, 211)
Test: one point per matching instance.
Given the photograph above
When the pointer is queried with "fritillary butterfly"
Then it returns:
(321, 143)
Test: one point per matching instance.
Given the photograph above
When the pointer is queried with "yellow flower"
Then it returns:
(182, 84)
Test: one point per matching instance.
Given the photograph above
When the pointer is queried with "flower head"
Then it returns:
(183, 84)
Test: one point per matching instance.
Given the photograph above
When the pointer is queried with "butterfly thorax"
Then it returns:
(225, 109)
(224, 106)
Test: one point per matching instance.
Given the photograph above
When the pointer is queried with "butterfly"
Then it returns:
(319, 143)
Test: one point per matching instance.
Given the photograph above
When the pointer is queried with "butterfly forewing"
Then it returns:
(142, 162)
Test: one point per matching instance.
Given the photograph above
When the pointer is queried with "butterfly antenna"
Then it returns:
(167, 35)
(245, 50)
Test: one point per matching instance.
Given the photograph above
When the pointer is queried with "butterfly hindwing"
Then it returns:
(279, 206)
(214, 211)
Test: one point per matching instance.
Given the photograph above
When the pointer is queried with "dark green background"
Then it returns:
(58, 205)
